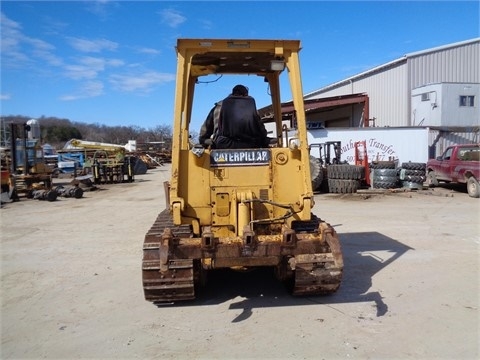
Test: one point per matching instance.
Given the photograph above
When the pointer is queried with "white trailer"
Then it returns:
(402, 144)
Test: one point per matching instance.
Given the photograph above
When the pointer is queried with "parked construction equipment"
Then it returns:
(323, 155)
(239, 208)
(108, 163)
(28, 170)
(331, 174)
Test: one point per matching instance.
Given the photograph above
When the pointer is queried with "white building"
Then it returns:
(418, 104)
(393, 88)
(446, 105)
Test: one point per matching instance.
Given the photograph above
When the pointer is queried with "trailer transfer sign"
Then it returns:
(239, 157)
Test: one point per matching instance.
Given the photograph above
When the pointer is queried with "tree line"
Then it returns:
(57, 132)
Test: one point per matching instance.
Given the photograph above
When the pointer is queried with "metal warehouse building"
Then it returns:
(417, 105)
(445, 80)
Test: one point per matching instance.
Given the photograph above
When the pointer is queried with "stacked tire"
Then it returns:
(344, 178)
(412, 175)
(384, 175)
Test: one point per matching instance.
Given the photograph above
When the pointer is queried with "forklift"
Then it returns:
(326, 154)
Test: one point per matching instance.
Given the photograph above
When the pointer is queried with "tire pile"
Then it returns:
(344, 178)
(385, 175)
(347, 179)
(336, 178)
(412, 175)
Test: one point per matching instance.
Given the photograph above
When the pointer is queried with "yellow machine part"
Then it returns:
(233, 196)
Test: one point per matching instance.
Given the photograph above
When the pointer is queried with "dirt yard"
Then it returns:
(71, 284)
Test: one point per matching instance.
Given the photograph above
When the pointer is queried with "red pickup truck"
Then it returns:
(458, 164)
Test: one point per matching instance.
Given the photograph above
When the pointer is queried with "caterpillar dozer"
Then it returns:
(239, 208)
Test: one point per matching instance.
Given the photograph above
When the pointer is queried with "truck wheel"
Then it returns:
(473, 188)
(431, 179)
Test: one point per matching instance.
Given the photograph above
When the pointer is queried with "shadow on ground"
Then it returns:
(365, 254)
(454, 187)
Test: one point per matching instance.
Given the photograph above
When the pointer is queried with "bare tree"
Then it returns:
(58, 131)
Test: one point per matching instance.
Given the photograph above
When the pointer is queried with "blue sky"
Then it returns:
(113, 62)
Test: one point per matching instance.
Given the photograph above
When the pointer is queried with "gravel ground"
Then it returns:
(71, 284)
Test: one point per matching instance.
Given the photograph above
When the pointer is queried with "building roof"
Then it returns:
(313, 105)
(391, 64)
(443, 47)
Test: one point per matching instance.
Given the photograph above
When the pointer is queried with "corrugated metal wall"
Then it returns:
(389, 88)
(441, 139)
(456, 64)
(388, 93)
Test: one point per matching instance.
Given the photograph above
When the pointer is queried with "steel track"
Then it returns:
(166, 285)
(313, 274)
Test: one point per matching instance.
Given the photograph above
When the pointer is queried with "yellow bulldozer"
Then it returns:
(239, 208)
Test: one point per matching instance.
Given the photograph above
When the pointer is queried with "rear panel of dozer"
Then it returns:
(215, 185)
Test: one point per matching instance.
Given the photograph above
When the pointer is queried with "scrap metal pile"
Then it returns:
(29, 171)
